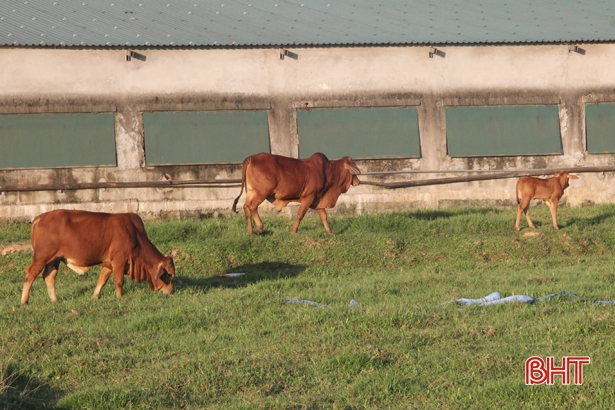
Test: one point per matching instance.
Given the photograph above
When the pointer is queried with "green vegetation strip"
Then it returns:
(236, 343)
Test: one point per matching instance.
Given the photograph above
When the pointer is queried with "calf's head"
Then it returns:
(165, 273)
(564, 177)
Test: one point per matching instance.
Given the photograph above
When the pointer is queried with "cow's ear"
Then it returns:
(160, 272)
(573, 176)
(350, 165)
(170, 266)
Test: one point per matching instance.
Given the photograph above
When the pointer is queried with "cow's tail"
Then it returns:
(32, 226)
(517, 191)
(244, 167)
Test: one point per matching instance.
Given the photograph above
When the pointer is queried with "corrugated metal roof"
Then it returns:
(206, 23)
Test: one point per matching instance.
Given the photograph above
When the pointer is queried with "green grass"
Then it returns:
(235, 343)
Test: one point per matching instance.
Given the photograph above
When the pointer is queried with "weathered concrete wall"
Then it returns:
(165, 80)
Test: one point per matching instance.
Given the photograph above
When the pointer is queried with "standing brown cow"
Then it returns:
(82, 240)
(549, 190)
(314, 182)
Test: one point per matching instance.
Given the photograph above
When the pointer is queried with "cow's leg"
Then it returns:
(251, 210)
(553, 208)
(303, 208)
(248, 215)
(524, 208)
(32, 271)
(323, 217)
(252, 214)
(119, 268)
(49, 274)
(519, 212)
(105, 273)
(527, 217)
(257, 220)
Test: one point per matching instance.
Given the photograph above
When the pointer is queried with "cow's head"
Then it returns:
(352, 168)
(165, 273)
(563, 178)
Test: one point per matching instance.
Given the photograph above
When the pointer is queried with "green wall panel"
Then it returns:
(57, 140)
(503, 131)
(382, 132)
(600, 128)
(200, 137)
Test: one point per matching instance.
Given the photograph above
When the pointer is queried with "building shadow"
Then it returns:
(22, 391)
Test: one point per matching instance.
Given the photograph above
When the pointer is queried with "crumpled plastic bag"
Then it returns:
(496, 298)
(306, 302)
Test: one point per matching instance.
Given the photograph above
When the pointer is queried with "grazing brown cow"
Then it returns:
(549, 190)
(314, 182)
(82, 240)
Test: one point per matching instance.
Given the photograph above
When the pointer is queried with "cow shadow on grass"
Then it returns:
(594, 220)
(241, 276)
(22, 391)
(431, 215)
(341, 225)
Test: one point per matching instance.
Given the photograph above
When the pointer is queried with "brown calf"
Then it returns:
(549, 190)
(81, 239)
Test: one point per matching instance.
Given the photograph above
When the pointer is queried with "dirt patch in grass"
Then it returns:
(16, 247)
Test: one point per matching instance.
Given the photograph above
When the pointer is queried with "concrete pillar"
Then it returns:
(432, 131)
(572, 126)
(283, 135)
(129, 143)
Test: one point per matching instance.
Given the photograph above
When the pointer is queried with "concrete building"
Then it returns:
(127, 92)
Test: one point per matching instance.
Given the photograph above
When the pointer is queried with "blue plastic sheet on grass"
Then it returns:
(604, 302)
(352, 303)
(491, 299)
(306, 302)
(496, 298)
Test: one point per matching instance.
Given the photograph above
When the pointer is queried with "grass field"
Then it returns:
(236, 343)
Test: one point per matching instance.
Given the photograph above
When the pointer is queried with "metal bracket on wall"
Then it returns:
(137, 56)
(286, 53)
(435, 52)
(576, 49)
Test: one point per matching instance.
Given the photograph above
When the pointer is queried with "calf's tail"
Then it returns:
(517, 191)
(244, 167)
